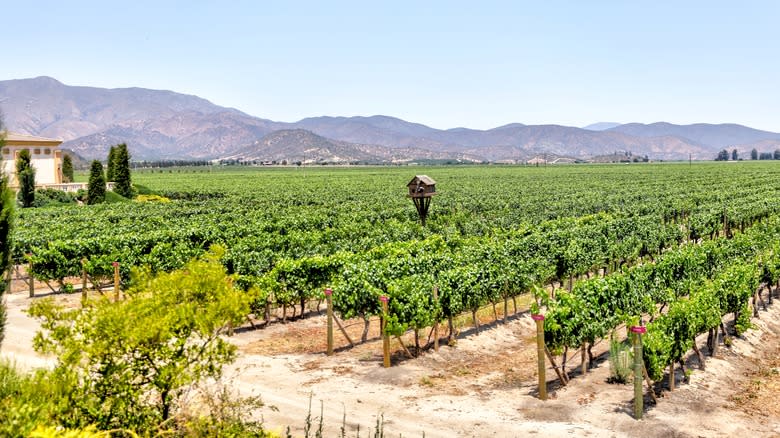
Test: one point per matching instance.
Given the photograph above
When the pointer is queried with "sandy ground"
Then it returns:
(483, 385)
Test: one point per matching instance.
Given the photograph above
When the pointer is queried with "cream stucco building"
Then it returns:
(46, 158)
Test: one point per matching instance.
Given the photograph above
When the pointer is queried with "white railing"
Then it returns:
(70, 187)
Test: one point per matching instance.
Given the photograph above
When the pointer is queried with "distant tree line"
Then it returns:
(167, 163)
(754, 155)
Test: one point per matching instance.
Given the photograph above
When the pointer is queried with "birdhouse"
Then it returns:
(421, 190)
(422, 186)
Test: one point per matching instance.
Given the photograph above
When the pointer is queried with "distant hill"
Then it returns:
(290, 146)
(155, 123)
(601, 126)
(159, 124)
(711, 136)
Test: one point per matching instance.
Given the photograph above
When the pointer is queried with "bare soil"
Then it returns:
(482, 385)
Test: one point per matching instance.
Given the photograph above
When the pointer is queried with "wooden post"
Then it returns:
(328, 293)
(385, 336)
(436, 320)
(540, 353)
(671, 376)
(83, 281)
(638, 371)
(116, 281)
(30, 277)
(583, 360)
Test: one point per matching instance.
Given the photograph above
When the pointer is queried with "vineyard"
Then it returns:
(674, 245)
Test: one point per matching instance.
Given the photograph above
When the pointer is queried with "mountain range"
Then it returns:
(167, 125)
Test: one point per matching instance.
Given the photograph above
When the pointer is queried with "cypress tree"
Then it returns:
(122, 183)
(6, 224)
(111, 164)
(25, 175)
(67, 168)
(96, 186)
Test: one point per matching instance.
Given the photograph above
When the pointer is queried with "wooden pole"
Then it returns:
(83, 281)
(540, 353)
(30, 277)
(583, 360)
(116, 281)
(436, 320)
(385, 336)
(328, 293)
(638, 371)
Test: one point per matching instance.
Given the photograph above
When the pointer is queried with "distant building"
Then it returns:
(46, 158)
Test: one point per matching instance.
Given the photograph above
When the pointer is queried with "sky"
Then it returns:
(446, 64)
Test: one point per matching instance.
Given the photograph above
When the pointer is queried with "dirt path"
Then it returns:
(482, 386)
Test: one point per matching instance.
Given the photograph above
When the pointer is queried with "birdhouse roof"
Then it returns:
(424, 179)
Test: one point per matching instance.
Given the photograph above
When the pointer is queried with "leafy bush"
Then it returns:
(48, 197)
(621, 360)
(128, 363)
(152, 198)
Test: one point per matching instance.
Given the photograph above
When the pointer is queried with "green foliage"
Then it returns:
(111, 164)
(289, 237)
(25, 175)
(113, 197)
(152, 198)
(121, 171)
(129, 362)
(96, 187)
(67, 169)
(6, 243)
(621, 361)
(26, 399)
(53, 197)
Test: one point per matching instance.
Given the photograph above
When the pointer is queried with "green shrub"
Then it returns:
(51, 197)
(621, 361)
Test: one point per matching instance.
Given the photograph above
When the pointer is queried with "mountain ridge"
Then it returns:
(164, 124)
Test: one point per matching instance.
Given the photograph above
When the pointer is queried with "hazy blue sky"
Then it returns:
(477, 64)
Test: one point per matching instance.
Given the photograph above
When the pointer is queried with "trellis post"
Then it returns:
(385, 336)
(540, 353)
(116, 281)
(638, 330)
(83, 281)
(328, 298)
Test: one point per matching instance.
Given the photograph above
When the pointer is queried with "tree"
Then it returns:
(129, 362)
(67, 168)
(111, 164)
(6, 225)
(754, 154)
(722, 156)
(734, 155)
(777, 154)
(122, 183)
(96, 186)
(25, 175)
